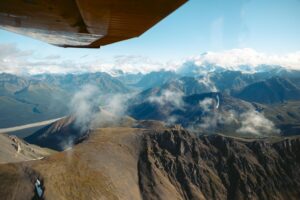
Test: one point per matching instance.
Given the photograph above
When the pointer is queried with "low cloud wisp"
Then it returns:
(255, 123)
(247, 122)
(85, 105)
(91, 109)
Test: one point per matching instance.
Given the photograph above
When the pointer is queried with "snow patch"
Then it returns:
(38, 188)
(218, 102)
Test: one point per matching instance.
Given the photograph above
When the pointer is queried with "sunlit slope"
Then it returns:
(103, 167)
(13, 149)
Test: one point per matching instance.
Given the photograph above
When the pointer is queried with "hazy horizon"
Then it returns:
(248, 32)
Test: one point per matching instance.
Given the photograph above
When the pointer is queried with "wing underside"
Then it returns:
(83, 23)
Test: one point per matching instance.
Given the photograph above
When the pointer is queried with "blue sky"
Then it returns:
(268, 26)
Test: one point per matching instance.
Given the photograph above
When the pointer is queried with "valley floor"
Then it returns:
(28, 126)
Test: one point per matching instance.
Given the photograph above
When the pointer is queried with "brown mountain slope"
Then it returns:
(13, 149)
(178, 165)
(64, 133)
(128, 163)
(102, 167)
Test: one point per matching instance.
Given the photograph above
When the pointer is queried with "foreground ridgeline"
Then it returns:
(159, 163)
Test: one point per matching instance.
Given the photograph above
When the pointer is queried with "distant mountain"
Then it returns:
(156, 79)
(9, 84)
(234, 80)
(292, 75)
(182, 86)
(231, 81)
(25, 101)
(217, 113)
(14, 112)
(273, 90)
(188, 86)
(191, 69)
(129, 79)
(42, 97)
(72, 82)
(285, 115)
(226, 79)
(206, 111)
(42, 94)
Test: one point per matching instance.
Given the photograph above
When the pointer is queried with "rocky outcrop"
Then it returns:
(177, 165)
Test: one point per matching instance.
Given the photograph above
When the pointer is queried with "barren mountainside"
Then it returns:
(131, 163)
(13, 149)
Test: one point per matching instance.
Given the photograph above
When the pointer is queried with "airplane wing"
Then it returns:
(83, 23)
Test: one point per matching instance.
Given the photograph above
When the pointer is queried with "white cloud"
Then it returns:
(84, 106)
(173, 98)
(247, 122)
(237, 58)
(169, 101)
(92, 110)
(211, 117)
(205, 80)
(10, 52)
(17, 61)
(255, 123)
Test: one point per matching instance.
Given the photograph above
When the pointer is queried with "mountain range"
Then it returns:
(42, 97)
(188, 134)
(47, 96)
(270, 91)
(23, 100)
